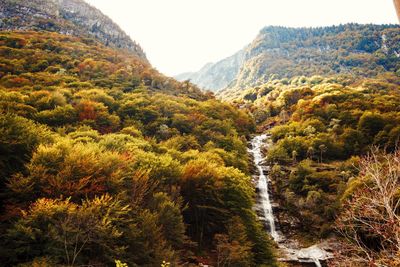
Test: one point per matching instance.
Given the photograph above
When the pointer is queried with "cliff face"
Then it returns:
(397, 6)
(216, 76)
(73, 17)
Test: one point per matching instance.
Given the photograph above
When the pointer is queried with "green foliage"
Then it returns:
(311, 54)
(118, 263)
(216, 196)
(371, 124)
(233, 249)
(67, 169)
(70, 233)
(148, 247)
(104, 158)
(170, 217)
(19, 137)
(320, 127)
(58, 116)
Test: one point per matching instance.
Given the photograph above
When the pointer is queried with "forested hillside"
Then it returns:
(322, 128)
(71, 17)
(104, 159)
(281, 52)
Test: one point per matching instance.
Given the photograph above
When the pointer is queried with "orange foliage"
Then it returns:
(87, 110)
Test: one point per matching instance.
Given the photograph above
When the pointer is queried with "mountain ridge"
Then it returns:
(215, 76)
(284, 52)
(71, 17)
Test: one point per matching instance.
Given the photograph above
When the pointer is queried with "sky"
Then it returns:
(183, 35)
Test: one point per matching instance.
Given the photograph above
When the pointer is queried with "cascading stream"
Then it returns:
(317, 263)
(262, 185)
(312, 254)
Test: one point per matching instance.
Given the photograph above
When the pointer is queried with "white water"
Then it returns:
(262, 185)
(310, 254)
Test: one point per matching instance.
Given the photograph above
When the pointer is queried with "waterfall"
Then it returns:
(317, 263)
(293, 253)
(262, 185)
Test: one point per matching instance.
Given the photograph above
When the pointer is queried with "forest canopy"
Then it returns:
(322, 128)
(104, 159)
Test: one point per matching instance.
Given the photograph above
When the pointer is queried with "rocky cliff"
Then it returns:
(72, 17)
(216, 76)
(397, 6)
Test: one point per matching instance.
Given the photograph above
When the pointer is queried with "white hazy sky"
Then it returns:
(183, 35)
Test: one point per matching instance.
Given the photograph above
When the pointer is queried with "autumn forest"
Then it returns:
(105, 161)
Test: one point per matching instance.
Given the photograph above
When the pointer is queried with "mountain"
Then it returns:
(397, 6)
(71, 17)
(104, 161)
(215, 76)
(287, 52)
(280, 52)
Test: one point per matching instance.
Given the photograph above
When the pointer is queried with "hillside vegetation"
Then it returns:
(71, 17)
(322, 128)
(104, 159)
(282, 52)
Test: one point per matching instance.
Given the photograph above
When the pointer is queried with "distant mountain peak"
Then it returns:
(215, 76)
(72, 17)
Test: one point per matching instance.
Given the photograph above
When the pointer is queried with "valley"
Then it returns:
(284, 154)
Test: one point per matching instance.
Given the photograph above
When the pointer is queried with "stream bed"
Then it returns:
(289, 249)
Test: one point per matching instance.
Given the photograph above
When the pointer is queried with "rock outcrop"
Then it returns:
(397, 6)
(72, 17)
(216, 76)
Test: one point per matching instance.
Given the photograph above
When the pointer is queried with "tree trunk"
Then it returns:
(397, 6)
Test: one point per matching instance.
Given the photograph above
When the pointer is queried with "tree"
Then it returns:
(170, 219)
(19, 137)
(294, 156)
(59, 116)
(352, 141)
(71, 233)
(310, 153)
(200, 187)
(322, 149)
(179, 152)
(233, 249)
(371, 123)
(72, 170)
(370, 219)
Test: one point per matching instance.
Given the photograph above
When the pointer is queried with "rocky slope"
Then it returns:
(216, 76)
(72, 17)
(397, 6)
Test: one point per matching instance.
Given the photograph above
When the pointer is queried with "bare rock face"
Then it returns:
(73, 17)
(215, 76)
(397, 6)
